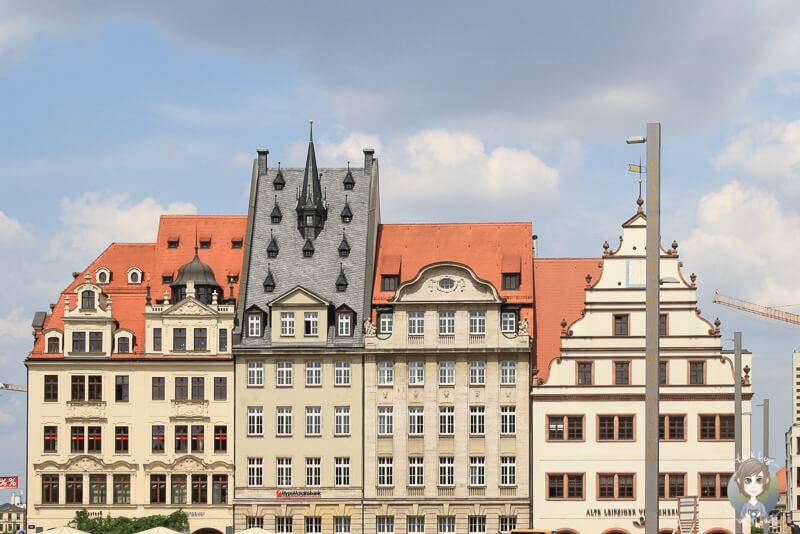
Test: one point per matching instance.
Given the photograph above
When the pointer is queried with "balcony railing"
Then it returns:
(477, 339)
(386, 492)
(415, 491)
(448, 339)
(477, 491)
(416, 340)
(508, 492)
(447, 492)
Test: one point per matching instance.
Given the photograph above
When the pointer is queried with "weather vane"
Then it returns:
(632, 167)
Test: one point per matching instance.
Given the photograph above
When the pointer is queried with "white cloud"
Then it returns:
(769, 150)
(93, 221)
(11, 230)
(14, 325)
(6, 419)
(746, 244)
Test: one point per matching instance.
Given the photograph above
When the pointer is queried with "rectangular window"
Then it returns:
(447, 373)
(255, 374)
(53, 345)
(198, 438)
(508, 373)
(313, 373)
(95, 390)
(477, 420)
(95, 342)
(416, 373)
(385, 420)
(446, 524)
(416, 471)
(622, 373)
(198, 388)
(199, 489)
(385, 373)
(511, 281)
(672, 427)
(97, 489)
(341, 471)
(223, 339)
(157, 389)
(507, 523)
(254, 325)
(447, 323)
(284, 420)
(384, 524)
(200, 339)
(662, 324)
(313, 523)
(77, 439)
(283, 525)
(386, 323)
(287, 324)
(616, 486)
(51, 439)
(254, 522)
(220, 388)
(78, 388)
(671, 485)
(158, 489)
(477, 373)
(341, 423)
(477, 323)
(49, 489)
(557, 483)
(51, 388)
(181, 438)
(313, 471)
(344, 323)
(615, 428)
(621, 325)
(716, 427)
(385, 471)
(585, 373)
(726, 427)
(179, 490)
(284, 472)
(416, 420)
(416, 323)
(283, 374)
(158, 438)
(255, 472)
(157, 339)
(178, 339)
(255, 421)
(121, 389)
(313, 420)
(220, 438)
(662, 373)
(122, 489)
(74, 489)
(714, 485)
(415, 524)
(79, 342)
(508, 471)
(447, 471)
(341, 525)
(121, 439)
(123, 345)
(181, 388)
(477, 471)
(508, 420)
(447, 418)
(389, 282)
(508, 322)
(341, 373)
(311, 323)
(219, 489)
(697, 373)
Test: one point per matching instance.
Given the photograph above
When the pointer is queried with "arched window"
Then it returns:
(87, 300)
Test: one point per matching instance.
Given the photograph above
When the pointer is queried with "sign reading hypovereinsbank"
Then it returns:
(298, 494)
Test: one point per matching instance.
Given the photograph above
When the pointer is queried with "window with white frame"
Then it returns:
(253, 325)
(341, 525)
(446, 524)
(284, 420)
(385, 373)
(447, 471)
(416, 471)
(508, 373)
(313, 524)
(255, 472)
(255, 420)
(508, 523)
(344, 322)
(477, 420)
(477, 373)
(386, 323)
(341, 373)
(416, 373)
(508, 471)
(416, 323)
(283, 373)
(385, 420)
(284, 472)
(341, 421)
(283, 525)
(477, 322)
(508, 322)
(508, 419)
(254, 522)
(416, 420)
(311, 323)
(287, 323)
(416, 524)
(313, 373)
(447, 323)
(385, 524)
(477, 524)
(313, 420)
(313, 471)
(385, 471)
(255, 373)
(341, 471)
(477, 471)
(447, 373)
(447, 420)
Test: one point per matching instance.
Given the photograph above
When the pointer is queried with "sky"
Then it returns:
(112, 113)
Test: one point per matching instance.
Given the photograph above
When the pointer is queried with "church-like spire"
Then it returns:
(312, 211)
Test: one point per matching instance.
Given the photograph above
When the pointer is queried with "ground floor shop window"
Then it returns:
(385, 524)
(254, 522)
(122, 489)
(341, 525)
(97, 489)
(313, 525)
(283, 525)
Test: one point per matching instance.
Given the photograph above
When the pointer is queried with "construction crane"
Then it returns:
(13, 387)
(758, 309)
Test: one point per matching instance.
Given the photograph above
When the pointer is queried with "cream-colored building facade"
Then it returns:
(446, 409)
(792, 512)
(588, 425)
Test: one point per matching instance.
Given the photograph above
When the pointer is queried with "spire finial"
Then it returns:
(195, 240)
(311, 134)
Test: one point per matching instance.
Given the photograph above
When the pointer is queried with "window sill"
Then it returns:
(284, 435)
(416, 385)
(84, 353)
(385, 385)
(447, 385)
(279, 386)
(255, 385)
(478, 385)
(513, 385)
(341, 385)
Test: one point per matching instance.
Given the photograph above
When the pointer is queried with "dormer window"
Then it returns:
(309, 220)
(341, 281)
(276, 215)
(134, 275)
(124, 345)
(87, 300)
(347, 214)
(349, 182)
(102, 278)
(511, 281)
(269, 281)
(344, 247)
(344, 324)
(254, 324)
(53, 345)
(205, 244)
(172, 243)
(308, 249)
(278, 182)
(272, 248)
(389, 282)
(102, 275)
(236, 243)
(166, 279)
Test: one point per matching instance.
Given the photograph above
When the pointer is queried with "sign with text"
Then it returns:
(298, 494)
(9, 482)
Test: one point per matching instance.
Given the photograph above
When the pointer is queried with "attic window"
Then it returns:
(446, 283)
(272, 248)
(134, 275)
(341, 281)
(347, 214)
(166, 279)
(276, 215)
(205, 244)
(278, 182)
(236, 243)
(269, 281)
(389, 282)
(308, 249)
(172, 243)
(349, 182)
(344, 247)
(511, 281)
(102, 278)
(87, 300)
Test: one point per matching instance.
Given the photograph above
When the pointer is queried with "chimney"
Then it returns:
(262, 161)
(369, 156)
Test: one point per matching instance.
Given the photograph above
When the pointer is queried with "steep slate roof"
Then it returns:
(486, 248)
(319, 272)
(154, 259)
(559, 293)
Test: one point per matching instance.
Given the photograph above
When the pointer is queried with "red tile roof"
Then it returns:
(155, 260)
(781, 475)
(559, 293)
(404, 249)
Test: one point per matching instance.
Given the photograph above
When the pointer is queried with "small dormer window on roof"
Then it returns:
(349, 181)
(205, 243)
(347, 214)
(341, 281)
(511, 281)
(344, 247)
(269, 281)
(87, 300)
(236, 243)
(272, 248)
(276, 215)
(308, 249)
(102, 277)
(279, 182)
(134, 275)
(173, 242)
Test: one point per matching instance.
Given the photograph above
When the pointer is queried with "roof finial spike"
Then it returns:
(195, 240)
(348, 165)
(311, 134)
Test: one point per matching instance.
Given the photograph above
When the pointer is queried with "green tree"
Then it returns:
(126, 525)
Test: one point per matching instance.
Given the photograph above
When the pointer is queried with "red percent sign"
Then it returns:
(9, 482)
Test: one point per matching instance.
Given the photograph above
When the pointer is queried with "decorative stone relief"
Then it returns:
(369, 328)
(434, 284)
(86, 409)
(189, 408)
(523, 327)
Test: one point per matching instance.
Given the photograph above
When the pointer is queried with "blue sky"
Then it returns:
(115, 112)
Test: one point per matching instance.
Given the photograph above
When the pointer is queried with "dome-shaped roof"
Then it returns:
(196, 271)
